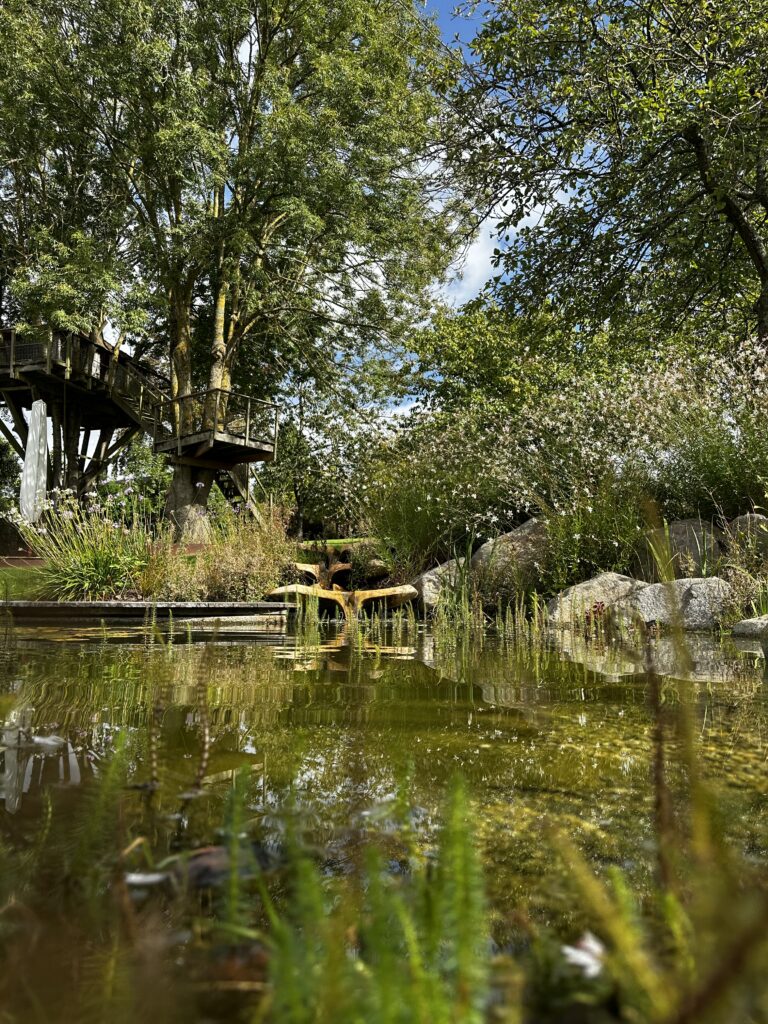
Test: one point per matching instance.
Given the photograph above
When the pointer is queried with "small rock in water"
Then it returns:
(146, 879)
(752, 629)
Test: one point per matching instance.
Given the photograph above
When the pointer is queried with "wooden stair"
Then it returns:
(114, 393)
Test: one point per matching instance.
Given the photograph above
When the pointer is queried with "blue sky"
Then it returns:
(451, 26)
(476, 268)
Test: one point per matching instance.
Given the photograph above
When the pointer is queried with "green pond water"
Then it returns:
(333, 731)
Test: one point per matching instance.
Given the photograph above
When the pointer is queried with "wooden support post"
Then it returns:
(16, 412)
(98, 461)
(96, 466)
(12, 440)
(56, 452)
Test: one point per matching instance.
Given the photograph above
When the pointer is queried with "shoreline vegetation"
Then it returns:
(693, 574)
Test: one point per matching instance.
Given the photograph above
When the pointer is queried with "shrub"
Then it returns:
(683, 432)
(89, 551)
(245, 559)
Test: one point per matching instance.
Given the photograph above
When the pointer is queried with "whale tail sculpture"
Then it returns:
(351, 602)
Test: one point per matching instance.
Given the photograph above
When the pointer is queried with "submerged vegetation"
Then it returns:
(228, 871)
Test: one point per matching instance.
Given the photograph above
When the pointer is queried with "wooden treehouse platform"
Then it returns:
(216, 428)
(107, 391)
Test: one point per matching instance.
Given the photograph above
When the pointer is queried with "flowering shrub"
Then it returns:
(687, 433)
(89, 551)
(244, 560)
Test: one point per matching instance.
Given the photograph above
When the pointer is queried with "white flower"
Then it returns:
(588, 954)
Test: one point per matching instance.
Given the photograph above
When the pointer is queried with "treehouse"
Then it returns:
(90, 387)
(215, 428)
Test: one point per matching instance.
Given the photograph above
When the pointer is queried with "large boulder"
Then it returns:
(750, 531)
(519, 552)
(431, 583)
(695, 604)
(684, 548)
(571, 606)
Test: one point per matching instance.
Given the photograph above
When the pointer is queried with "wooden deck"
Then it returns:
(110, 393)
(109, 612)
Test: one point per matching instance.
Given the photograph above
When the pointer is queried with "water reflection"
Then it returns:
(332, 723)
(28, 759)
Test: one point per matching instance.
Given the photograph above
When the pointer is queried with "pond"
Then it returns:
(344, 739)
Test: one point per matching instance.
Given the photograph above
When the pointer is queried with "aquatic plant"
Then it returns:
(265, 921)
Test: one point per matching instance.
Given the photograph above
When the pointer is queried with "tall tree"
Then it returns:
(279, 160)
(626, 144)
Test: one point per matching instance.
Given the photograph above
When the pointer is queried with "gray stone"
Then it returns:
(684, 548)
(431, 583)
(607, 589)
(520, 551)
(752, 629)
(750, 530)
(699, 658)
(696, 604)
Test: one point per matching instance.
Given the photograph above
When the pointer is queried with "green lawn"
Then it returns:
(17, 584)
(309, 546)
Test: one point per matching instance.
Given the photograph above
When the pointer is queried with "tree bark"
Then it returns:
(72, 449)
(181, 358)
(187, 501)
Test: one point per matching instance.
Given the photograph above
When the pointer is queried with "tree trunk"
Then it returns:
(762, 316)
(213, 409)
(187, 501)
(181, 360)
(72, 422)
(187, 498)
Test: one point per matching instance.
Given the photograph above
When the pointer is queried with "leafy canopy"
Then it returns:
(624, 144)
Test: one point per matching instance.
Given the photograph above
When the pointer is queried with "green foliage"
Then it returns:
(600, 533)
(624, 145)
(90, 552)
(681, 431)
(9, 477)
(244, 559)
(252, 182)
(420, 942)
(144, 479)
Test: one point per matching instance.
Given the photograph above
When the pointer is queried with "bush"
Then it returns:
(683, 433)
(245, 559)
(90, 552)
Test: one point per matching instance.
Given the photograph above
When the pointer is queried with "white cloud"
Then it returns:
(475, 269)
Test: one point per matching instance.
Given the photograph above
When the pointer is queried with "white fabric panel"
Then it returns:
(34, 476)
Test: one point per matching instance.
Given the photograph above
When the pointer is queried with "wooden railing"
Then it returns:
(83, 360)
(238, 417)
(248, 421)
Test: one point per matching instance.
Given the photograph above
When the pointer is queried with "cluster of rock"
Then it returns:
(693, 603)
(689, 550)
